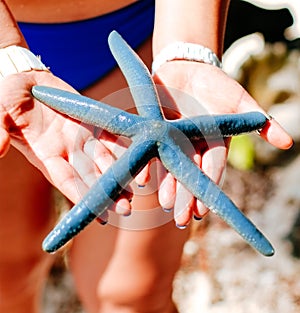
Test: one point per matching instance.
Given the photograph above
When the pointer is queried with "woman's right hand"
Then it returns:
(66, 151)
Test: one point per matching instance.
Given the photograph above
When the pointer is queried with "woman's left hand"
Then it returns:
(195, 88)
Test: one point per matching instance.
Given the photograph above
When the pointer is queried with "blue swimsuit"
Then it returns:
(78, 52)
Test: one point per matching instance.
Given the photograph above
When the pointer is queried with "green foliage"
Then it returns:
(242, 153)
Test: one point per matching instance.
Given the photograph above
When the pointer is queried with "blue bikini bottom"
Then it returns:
(78, 52)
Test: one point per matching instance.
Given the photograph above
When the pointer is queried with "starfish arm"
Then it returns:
(141, 85)
(216, 126)
(102, 194)
(203, 188)
(88, 110)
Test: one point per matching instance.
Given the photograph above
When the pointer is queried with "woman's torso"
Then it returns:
(57, 11)
(61, 11)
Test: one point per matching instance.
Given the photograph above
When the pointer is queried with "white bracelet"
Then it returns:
(15, 59)
(185, 51)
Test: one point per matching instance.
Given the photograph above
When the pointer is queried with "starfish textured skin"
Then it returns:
(152, 136)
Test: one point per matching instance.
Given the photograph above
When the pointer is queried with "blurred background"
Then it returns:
(219, 272)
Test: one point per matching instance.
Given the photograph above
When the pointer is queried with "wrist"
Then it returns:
(16, 59)
(194, 21)
(187, 52)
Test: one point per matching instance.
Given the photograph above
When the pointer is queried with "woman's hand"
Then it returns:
(65, 151)
(193, 89)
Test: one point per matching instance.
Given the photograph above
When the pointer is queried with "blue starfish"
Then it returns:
(152, 136)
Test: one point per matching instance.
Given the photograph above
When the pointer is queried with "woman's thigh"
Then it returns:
(25, 205)
(26, 216)
(131, 265)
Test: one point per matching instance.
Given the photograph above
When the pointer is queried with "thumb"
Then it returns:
(4, 142)
(276, 135)
(4, 136)
(10, 33)
(272, 132)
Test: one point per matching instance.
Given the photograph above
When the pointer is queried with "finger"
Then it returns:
(121, 206)
(213, 165)
(272, 131)
(167, 190)
(276, 135)
(103, 218)
(65, 178)
(99, 154)
(84, 166)
(4, 133)
(200, 210)
(143, 176)
(117, 145)
(90, 163)
(9, 30)
(184, 206)
(4, 142)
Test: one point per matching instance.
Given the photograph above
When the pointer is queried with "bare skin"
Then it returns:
(54, 11)
(100, 256)
(98, 294)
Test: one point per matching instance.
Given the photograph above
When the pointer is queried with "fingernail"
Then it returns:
(167, 210)
(141, 186)
(100, 221)
(197, 218)
(181, 226)
(127, 214)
